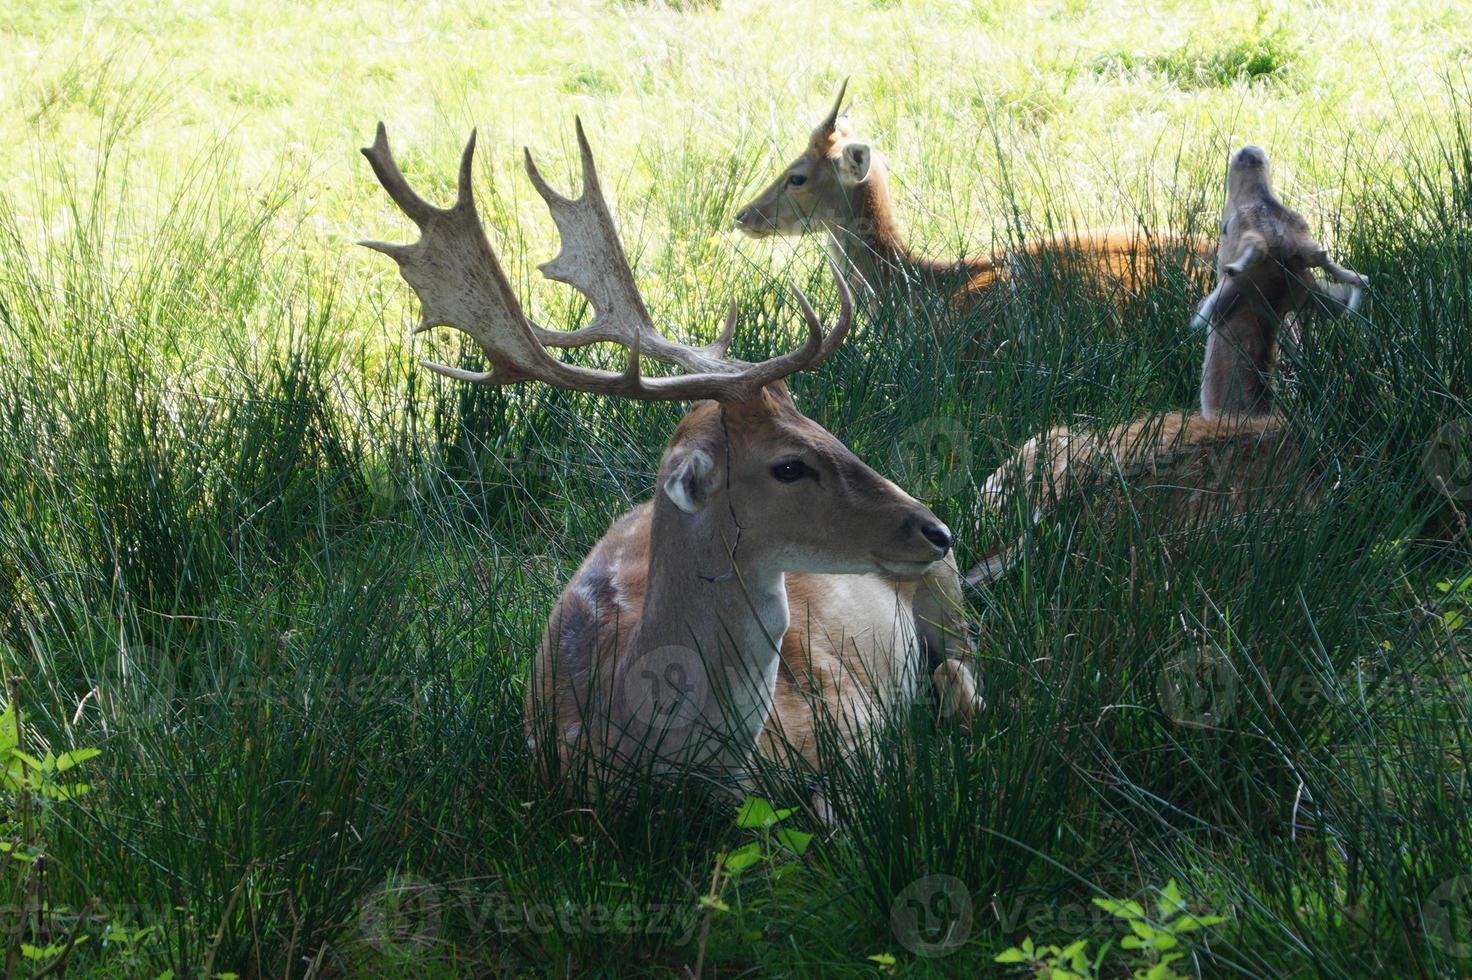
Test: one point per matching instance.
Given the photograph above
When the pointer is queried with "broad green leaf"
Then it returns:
(1013, 955)
(1143, 929)
(9, 730)
(757, 813)
(27, 758)
(75, 758)
(743, 857)
(1123, 910)
(67, 792)
(1188, 922)
(1073, 949)
(794, 840)
(1170, 901)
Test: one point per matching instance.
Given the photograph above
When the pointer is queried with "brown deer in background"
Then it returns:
(1237, 448)
(839, 184)
(773, 579)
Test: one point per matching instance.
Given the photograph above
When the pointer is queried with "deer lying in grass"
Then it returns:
(1237, 447)
(773, 579)
(840, 184)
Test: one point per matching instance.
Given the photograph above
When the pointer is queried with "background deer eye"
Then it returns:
(790, 471)
(796, 180)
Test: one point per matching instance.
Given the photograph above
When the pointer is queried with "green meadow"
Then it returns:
(287, 584)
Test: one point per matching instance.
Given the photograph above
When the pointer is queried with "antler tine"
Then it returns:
(592, 260)
(464, 195)
(591, 187)
(832, 118)
(460, 283)
(535, 176)
(381, 158)
(722, 343)
(839, 333)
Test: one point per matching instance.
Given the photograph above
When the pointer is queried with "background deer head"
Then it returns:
(827, 187)
(1265, 266)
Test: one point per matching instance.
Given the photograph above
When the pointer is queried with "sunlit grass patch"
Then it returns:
(289, 584)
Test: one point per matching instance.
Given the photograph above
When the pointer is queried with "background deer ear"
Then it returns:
(691, 481)
(1252, 249)
(854, 163)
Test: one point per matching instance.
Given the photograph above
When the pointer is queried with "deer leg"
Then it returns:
(1338, 272)
(1344, 298)
(996, 564)
(1206, 311)
(1254, 250)
(957, 691)
(940, 622)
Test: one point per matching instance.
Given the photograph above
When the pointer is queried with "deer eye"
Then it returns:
(796, 180)
(789, 471)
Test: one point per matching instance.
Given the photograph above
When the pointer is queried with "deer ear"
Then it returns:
(1206, 312)
(854, 163)
(691, 481)
(1253, 248)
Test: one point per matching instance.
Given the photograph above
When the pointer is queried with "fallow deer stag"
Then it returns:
(1225, 458)
(840, 184)
(774, 577)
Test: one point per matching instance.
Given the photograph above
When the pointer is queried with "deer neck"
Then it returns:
(866, 243)
(868, 246)
(714, 605)
(1236, 375)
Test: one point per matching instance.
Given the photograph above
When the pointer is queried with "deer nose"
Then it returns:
(939, 535)
(745, 217)
(1250, 156)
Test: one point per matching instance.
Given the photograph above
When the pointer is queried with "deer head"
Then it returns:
(744, 464)
(1265, 266)
(827, 187)
(794, 495)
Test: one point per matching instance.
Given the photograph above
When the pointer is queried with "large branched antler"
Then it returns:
(460, 283)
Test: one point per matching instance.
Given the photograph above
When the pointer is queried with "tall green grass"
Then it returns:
(290, 585)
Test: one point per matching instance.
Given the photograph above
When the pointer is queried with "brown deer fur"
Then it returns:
(840, 185)
(1237, 451)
